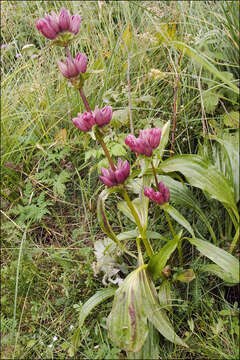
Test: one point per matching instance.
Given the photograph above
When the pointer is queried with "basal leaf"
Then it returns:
(216, 270)
(202, 174)
(159, 260)
(175, 214)
(155, 314)
(219, 256)
(127, 322)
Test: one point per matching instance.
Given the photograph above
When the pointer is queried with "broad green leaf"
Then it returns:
(175, 214)
(186, 276)
(118, 150)
(182, 195)
(150, 349)
(140, 208)
(127, 322)
(220, 257)
(91, 303)
(155, 313)
(94, 301)
(230, 167)
(216, 270)
(164, 139)
(159, 260)
(102, 217)
(133, 234)
(201, 173)
(164, 294)
(189, 51)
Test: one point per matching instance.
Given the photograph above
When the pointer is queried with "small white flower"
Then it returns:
(54, 338)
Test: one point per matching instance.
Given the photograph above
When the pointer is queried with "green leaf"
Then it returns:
(189, 51)
(127, 322)
(227, 160)
(101, 214)
(164, 139)
(201, 173)
(91, 303)
(159, 260)
(181, 194)
(102, 217)
(94, 301)
(164, 294)
(186, 276)
(59, 183)
(139, 207)
(220, 257)
(150, 349)
(175, 214)
(216, 270)
(155, 314)
(118, 150)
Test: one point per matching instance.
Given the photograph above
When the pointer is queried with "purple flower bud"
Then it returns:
(46, 29)
(81, 62)
(75, 24)
(138, 145)
(151, 136)
(84, 121)
(148, 140)
(103, 116)
(161, 196)
(73, 67)
(64, 19)
(3, 46)
(53, 21)
(51, 25)
(114, 177)
(122, 171)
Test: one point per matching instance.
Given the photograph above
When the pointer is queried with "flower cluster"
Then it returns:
(161, 196)
(148, 140)
(118, 176)
(85, 121)
(73, 67)
(51, 25)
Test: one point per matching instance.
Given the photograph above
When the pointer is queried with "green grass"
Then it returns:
(50, 186)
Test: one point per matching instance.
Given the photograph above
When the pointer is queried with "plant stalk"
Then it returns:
(84, 99)
(99, 137)
(140, 228)
(154, 173)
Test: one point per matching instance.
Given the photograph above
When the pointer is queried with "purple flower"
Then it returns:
(114, 177)
(84, 121)
(147, 141)
(73, 67)
(3, 46)
(161, 196)
(51, 25)
(103, 116)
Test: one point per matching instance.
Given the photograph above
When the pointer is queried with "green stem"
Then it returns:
(169, 223)
(140, 228)
(154, 173)
(174, 234)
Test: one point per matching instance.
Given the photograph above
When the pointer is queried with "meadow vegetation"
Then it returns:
(174, 61)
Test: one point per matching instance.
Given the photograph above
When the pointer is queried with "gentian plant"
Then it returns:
(138, 308)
